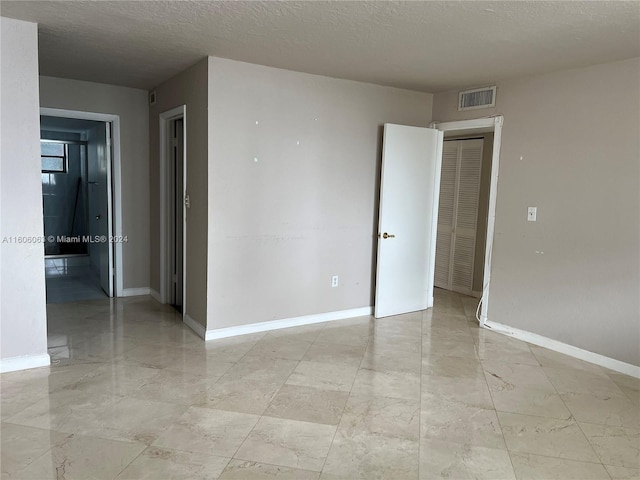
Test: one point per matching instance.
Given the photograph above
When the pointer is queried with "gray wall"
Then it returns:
(279, 228)
(188, 88)
(23, 323)
(577, 134)
(132, 106)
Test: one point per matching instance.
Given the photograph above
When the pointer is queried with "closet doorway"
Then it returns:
(462, 214)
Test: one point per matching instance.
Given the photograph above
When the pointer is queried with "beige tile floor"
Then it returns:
(135, 394)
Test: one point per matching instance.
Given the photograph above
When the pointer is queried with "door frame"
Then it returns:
(463, 127)
(116, 182)
(165, 119)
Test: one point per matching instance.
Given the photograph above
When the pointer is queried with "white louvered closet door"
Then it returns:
(458, 214)
(446, 212)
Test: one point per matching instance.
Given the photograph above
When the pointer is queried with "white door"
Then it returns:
(100, 228)
(407, 226)
(457, 214)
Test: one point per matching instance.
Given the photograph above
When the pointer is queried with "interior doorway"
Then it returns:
(462, 213)
(76, 192)
(408, 213)
(489, 128)
(81, 205)
(173, 207)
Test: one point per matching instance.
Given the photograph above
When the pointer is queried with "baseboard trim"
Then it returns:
(13, 364)
(195, 326)
(156, 295)
(134, 292)
(286, 323)
(557, 346)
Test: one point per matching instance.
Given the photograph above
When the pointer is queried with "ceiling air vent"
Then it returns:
(484, 97)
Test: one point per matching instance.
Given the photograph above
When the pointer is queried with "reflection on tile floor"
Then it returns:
(133, 393)
(71, 279)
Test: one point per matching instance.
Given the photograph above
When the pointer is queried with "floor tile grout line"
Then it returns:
(269, 464)
(558, 458)
(261, 416)
(68, 435)
(335, 433)
(504, 439)
(573, 418)
(147, 447)
(232, 457)
(634, 401)
(589, 441)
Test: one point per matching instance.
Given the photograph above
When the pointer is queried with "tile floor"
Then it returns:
(71, 279)
(135, 394)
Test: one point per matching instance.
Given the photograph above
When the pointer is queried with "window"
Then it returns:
(53, 156)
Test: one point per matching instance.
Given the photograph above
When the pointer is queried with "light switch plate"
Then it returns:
(532, 213)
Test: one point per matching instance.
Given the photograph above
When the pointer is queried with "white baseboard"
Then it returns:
(134, 292)
(286, 323)
(195, 326)
(14, 364)
(156, 295)
(557, 346)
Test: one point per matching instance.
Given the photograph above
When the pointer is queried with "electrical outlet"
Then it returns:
(334, 281)
(532, 213)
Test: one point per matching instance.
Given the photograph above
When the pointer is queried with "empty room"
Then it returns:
(320, 240)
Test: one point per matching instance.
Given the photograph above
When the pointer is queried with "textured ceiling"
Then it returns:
(429, 46)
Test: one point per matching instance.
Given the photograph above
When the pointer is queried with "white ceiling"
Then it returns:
(426, 45)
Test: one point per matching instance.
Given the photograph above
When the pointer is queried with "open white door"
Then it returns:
(407, 223)
(99, 173)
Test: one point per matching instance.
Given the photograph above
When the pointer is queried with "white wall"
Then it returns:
(279, 228)
(132, 106)
(577, 132)
(23, 324)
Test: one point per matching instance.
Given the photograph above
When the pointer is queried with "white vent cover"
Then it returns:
(152, 97)
(484, 97)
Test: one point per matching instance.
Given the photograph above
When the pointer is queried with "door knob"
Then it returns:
(388, 235)
(99, 216)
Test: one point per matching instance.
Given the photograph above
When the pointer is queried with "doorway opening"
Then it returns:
(462, 213)
(80, 188)
(490, 130)
(173, 207)
(412, 158)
